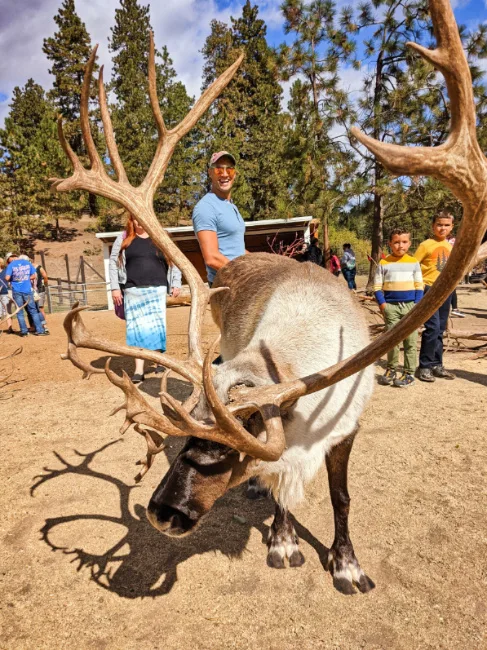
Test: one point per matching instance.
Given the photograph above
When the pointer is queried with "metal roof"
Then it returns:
(273, 224)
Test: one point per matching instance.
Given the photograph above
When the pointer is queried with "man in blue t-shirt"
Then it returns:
(217, 222)
(20, 274)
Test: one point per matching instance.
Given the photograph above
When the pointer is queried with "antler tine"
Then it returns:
(138, 410)
(234, 434)
(108, 131)
(169, 139)
(96, 164)
(80, 337)
(448, 161)
(154, 102)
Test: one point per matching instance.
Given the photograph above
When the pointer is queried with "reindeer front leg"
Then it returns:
(342, 563)
(283, 541)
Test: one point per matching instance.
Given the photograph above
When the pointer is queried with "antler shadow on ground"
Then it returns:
(143, 562)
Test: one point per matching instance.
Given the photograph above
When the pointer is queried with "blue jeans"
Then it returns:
(431, 353)
(349, 275)
(20, 298)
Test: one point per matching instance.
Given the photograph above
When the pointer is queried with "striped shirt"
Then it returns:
(398, 279)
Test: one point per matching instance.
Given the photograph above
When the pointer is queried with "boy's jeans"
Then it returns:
(21, 298)
(431, 353)
(349, 275)
(393, 313)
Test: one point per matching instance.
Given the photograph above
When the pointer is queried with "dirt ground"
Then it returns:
(81, 567)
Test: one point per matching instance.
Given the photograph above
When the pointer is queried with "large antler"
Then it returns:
(139, 200)
(460, 164)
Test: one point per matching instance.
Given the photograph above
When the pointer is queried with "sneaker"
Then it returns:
(41, 333)
(137, 379)
(388, 377)
(457, 313)
(10, 330)
(426, 374)
(404, 381)
(24, 334)
(443, 373)
(159, 369)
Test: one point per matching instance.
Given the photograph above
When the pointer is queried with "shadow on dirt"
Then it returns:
(144, 563)
(475, 377)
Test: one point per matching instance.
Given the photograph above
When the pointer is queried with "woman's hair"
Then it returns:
(130, 236)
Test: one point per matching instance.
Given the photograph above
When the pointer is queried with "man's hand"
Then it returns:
(175, 291)
(117, 297)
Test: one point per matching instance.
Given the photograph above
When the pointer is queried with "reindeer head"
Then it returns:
(459, 163)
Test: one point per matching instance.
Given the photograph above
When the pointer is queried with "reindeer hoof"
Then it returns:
(275, 560)
(347, 573)
(296, 559)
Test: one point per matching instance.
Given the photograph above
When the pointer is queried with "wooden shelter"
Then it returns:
(260, 236)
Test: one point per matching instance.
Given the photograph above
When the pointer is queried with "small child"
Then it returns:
(398, 286)
(433, 254)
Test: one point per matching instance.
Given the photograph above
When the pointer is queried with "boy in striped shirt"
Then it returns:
(398, 286)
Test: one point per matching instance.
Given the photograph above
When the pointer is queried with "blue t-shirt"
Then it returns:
(3, 282)
(220, 216)
(20, 272)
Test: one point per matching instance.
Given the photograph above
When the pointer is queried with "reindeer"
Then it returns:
(270, 410)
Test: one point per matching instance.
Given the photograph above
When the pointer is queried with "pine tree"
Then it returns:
(403, 100)
(319, 170)
(30, 155)
(132, 116)
(246, 118)
(69, 50)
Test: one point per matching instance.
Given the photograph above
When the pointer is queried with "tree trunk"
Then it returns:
(377, 233)
(378, 222)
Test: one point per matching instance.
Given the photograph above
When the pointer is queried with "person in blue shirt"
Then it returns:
(20, 274)
(4, 297)
(218, 224)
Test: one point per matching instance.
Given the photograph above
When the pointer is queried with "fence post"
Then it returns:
(71, 299)
(49, 302)
(60, 291)
(83, 279)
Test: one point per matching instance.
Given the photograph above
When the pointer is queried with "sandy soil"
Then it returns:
(80, 566)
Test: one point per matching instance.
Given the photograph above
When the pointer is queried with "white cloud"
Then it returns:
(181, 25)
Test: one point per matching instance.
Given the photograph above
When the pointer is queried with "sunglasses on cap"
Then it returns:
(224, 169)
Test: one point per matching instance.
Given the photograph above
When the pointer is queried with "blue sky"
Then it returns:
(182, 25)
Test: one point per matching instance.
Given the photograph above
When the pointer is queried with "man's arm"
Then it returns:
(208, 242)
(44, 276)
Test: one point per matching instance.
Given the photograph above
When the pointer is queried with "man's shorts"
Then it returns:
(42, 299)
(4, 301)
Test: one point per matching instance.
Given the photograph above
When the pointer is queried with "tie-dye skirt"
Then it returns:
(145, 316)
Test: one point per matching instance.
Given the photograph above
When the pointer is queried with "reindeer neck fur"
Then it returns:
(280, 320)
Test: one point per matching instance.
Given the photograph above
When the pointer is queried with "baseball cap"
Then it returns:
(9, 255)
(219, 154)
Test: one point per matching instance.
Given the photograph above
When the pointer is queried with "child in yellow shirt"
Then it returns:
(433, 254)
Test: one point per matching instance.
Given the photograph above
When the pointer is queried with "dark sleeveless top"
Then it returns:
(145, 264)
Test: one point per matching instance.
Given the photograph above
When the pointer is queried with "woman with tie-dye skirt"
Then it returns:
(140, 266)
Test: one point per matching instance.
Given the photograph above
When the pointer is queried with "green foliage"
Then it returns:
(30, 154)
(132, 115)
(318, 169)
(246, 118)
(69, 50)
(361, 247)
